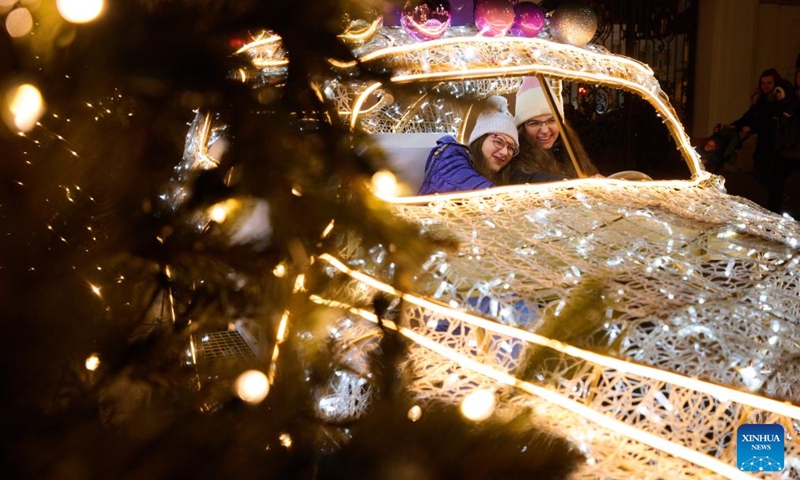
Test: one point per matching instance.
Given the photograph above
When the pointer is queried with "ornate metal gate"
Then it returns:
(660, 33)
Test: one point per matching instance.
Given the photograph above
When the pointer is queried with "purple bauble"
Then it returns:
(494, 17)
(528, 20)
(426, 19)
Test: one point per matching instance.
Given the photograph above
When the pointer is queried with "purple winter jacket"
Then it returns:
(448, 169)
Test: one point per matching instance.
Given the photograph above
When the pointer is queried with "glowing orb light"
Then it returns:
(252, 387)
(218, 213)
(384, 183)
(494, 17)
(574, 23)
(22, 107)
(528, 20)
(79, 11)
(478, 405)
(92, 362)
(426, 19)
(19, 22)
(414, 413)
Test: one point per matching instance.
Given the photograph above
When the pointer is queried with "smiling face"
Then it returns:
(767, 84)
(497, 150)
(543, 129)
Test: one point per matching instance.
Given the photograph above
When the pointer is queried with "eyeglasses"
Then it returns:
(536, 124)
(500, 143)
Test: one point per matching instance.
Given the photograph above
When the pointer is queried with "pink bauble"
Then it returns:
(494, 17)
(426, 19)
(528, 20)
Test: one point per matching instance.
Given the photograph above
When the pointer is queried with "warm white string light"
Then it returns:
(634, 433)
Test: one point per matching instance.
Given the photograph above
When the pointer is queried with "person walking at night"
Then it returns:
(786, 145)
(759, 120)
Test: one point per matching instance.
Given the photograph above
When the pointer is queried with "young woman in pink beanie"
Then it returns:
(538, 130)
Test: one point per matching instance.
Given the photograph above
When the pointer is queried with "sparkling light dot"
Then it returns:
(79, 11)
(478, 405)
(286, 440)
(252, 387)
(19, 22)
(92, 362)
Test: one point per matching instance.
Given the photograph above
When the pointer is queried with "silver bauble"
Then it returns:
(573, 23)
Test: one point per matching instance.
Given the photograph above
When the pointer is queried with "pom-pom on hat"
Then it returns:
(494, 118)
(531, 101)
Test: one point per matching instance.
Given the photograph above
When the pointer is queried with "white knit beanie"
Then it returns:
(494, 118)
(531, 101)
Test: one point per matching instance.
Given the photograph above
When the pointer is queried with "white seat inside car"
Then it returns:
(406, 154)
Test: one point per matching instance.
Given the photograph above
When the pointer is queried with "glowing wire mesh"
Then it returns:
(706, 287)
(676, 275)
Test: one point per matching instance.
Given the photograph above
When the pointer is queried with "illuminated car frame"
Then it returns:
(689, 262)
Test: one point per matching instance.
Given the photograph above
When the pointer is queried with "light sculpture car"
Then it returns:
(646, 315)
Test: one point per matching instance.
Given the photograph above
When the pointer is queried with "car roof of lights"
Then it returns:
(462, 55)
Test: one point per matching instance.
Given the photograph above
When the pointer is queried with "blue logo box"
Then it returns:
(759, 447)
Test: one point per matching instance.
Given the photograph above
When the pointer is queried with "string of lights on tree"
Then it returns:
(256, 302)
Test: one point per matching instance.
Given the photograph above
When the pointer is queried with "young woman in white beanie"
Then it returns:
(538, 130)
(493, 143)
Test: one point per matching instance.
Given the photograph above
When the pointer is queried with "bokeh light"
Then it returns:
(80, 11)
(22, 107)
(414, 413)
(279, 270)
(252, 387)
(92, 362)
(218, 212)
(19, 22)
(384, 183)
(478, 405)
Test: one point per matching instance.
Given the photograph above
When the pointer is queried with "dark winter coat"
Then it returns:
(449, 169)
(787, 124)
(519, 177)
(760, 118)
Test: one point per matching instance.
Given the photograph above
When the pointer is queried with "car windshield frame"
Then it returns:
(475, 58)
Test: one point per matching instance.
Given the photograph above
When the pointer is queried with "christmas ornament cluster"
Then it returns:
(572, 22)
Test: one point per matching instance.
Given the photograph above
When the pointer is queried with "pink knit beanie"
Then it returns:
(531, 101)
